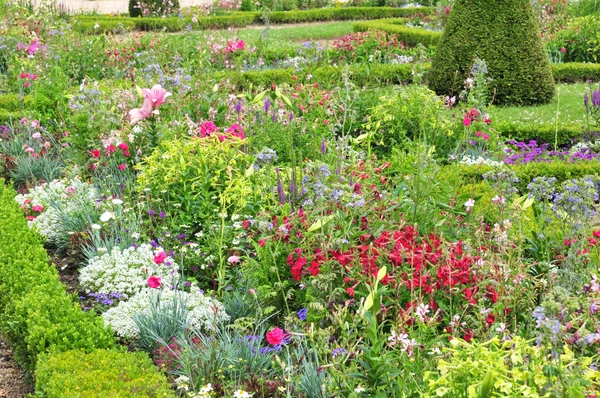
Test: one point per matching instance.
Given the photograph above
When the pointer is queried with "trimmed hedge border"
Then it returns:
(91, 24)
(358, 74)
(37, 316)
(543, 134)
(561, 170)
(409, 36)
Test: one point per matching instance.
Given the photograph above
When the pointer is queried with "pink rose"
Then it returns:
(154, 282)
(275, 336)
(160, 258)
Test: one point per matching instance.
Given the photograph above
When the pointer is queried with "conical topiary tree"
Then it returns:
(504, 34)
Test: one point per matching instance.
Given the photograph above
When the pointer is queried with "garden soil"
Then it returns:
(13, 383)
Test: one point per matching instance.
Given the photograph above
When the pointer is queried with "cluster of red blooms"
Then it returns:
(233, 46)
(473, 116)
(109, 150)
(31, 212)
(592, 241)
(373, 39)
(28, 77)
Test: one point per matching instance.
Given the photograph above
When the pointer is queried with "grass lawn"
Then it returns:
(567, 106)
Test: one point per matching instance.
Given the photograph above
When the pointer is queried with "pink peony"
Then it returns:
(275, 336)
(160, 258)
(466, 121)
(156, 95)
(154, 282)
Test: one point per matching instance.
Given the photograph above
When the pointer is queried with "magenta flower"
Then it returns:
(154, 282)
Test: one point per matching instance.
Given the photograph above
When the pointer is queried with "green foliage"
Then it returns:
(575, 72)
(408, 36)
(86, 23)
(360, 75)
(580, 40)
(561, 170)
(11, 102)
(505, 35)
(102, 373)
(37, 315)
(584, 7)
(199, 177)
(512, 368)
(542, 133)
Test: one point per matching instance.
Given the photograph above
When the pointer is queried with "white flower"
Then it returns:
(498, 200)
(107, 216)
(96, 26)
(469, 204)
(96, 226)
(203, 313)
(135, 235)
(359, 389)
(206, 389)
(241, 394)
(117, 202)
(422, 311)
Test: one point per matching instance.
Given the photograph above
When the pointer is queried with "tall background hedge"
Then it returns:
(503, 33)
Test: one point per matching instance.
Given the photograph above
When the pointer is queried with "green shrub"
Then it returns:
(545, 133)
(561, 170)
(580, 40)
(152, 8)
(408, 36)
(358, 74)
(36, 313)
(12, 102)
(503, 33)
(8, 116)
(575, 72)
(340, 14)
(100, 374)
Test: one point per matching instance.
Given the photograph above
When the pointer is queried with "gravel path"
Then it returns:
(13, 383)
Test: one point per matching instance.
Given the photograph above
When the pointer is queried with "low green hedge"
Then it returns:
(575, 72)
(37, 316)
(540, 133)
(409, 36)
(561, 170)
(100, 374)
(360, 75)
(13, 102)
(8, 116)
(86, 24)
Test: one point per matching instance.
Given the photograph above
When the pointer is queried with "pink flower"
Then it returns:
(486, 137)
(123, 147)
(207, 128)
(154, 282)
(563, 50)
(30, 150)
(160, 258)
(479, 134)
(142, 113)
(156, 95)
(122, 166)
(487, 120)
(233, 260)
(275, 336)
(466, 121)
(36, 136)
(236, 131)
(38, 208)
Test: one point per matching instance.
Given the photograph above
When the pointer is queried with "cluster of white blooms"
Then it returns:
(59, 198)
(471, 160)
(126, 271)
(204, 313)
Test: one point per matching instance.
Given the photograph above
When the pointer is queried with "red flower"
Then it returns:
(154, 282)
(275, 336)
(110, 149)
(490, 319)
(123, 147)
(468, 336)
(96, 153)
(596, 233)
(350, 291)
(160, 258)
(38, 209)
(261, 243)
(467, 121)
(122, 166)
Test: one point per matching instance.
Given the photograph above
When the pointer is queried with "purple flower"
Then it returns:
(150, 213)
(323, 146)
(593, 309)
(539, 313)
(267, 105)
(302, 314)
(162, 214)
(338, 351)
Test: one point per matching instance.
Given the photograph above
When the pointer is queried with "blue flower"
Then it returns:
(302, 314)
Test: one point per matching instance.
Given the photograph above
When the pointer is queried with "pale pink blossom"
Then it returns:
(156, 95)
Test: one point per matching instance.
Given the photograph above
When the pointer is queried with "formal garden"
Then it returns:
(302, 198)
